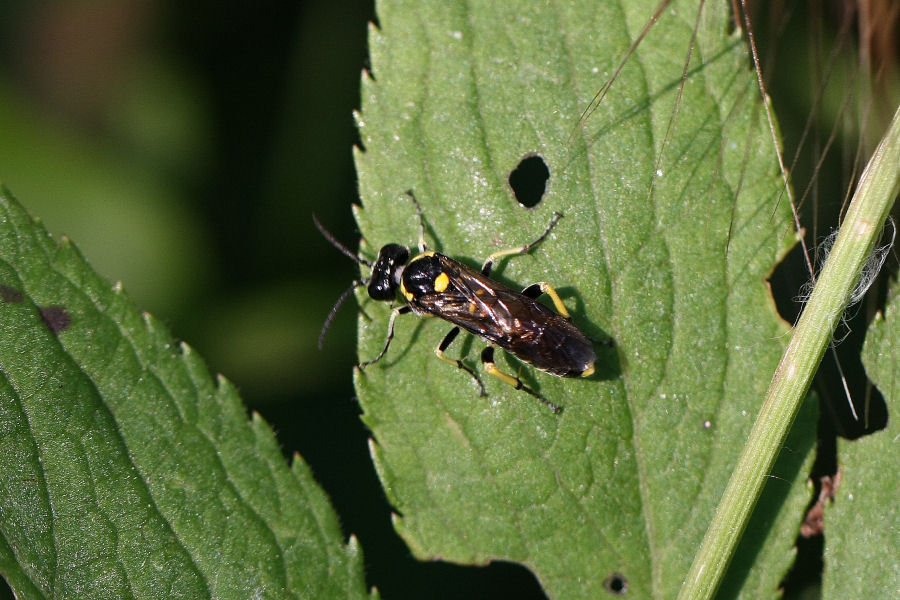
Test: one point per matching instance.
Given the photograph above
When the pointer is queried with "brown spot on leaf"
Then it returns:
(814, 523)
(11, 294)
(57, 318)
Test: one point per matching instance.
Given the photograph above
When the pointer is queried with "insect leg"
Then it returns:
(534, 291)
(487, 359)
(542, 287)
(402, 310)
(439, 352)
(489, 263)
(415, 202)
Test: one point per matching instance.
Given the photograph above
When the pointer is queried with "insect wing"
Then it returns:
(518, 324)
(467, 301)
(543, 338)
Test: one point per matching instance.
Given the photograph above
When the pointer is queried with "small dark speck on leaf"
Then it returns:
(57, 318)
(11, 294)
(616, 584)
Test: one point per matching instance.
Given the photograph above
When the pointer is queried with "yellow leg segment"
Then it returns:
(487, 359)
(546, 288)
(439, 352)
(489, 263)
(492, 369)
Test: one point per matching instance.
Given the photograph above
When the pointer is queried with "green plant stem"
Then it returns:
(858, 235)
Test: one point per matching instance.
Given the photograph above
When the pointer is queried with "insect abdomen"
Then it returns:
(556, 347)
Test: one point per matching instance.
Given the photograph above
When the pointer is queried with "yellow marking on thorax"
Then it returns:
(406, 294)
(441, 282)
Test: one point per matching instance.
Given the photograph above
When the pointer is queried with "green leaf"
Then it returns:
(834, 286)
(127, 472)
(665, 247)
(863, 524)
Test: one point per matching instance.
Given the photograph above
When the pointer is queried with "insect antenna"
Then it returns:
(334, 242)
(346, 294)
(337, 306)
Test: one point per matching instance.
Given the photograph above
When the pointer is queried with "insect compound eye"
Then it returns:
(382, 285)
(529, 180)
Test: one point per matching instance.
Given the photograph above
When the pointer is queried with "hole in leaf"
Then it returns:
(616, 584)
(529, 180)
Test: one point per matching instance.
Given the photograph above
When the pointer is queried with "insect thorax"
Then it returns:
(423, 275)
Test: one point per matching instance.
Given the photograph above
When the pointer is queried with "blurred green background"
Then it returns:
(184, 147)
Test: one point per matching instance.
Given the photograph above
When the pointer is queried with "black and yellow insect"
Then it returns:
(432, 284)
